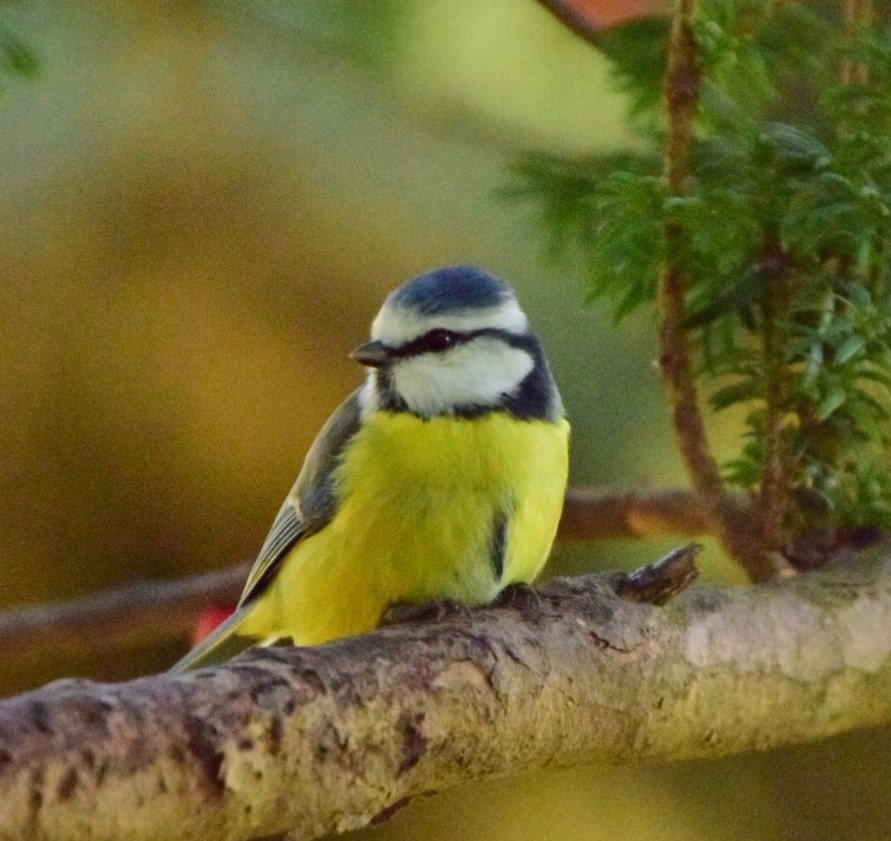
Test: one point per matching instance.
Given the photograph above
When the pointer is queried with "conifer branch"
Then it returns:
(681, 91)
(733, 524)
(681, 94)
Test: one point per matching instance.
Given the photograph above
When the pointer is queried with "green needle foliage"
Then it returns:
(785, 241)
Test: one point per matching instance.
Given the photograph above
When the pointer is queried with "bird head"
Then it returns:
(454, 341)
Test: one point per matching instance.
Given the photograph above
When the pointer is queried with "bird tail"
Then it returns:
(220, 644)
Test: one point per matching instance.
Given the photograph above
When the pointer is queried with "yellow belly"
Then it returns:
(417, 504)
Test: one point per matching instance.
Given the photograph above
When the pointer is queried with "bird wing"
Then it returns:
(311, 503)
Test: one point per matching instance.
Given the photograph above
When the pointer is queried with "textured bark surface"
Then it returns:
(323, 739)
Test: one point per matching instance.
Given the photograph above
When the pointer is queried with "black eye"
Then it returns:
(437, 340)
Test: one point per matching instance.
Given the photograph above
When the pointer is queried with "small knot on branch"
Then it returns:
(661, 581)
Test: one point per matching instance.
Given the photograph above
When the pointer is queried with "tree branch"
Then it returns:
(581, 22)
(315, 740)
(772, 505)
(858, 15)
(731, 523)
(150, 611)
(587, 18)
(159, 611)
(595, 513)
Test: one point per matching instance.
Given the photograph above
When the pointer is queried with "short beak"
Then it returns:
(374, 354)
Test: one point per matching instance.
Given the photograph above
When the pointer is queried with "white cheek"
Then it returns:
(479, 373)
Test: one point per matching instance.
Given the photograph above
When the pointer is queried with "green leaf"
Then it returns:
(796, 148)
(850, 347)
(833, 401)
(750, 290)
(739, 392)
(876, 376)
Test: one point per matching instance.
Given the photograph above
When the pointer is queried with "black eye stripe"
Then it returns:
(434, 341)
(440, 339)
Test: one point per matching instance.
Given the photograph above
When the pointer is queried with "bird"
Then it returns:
(439, 480)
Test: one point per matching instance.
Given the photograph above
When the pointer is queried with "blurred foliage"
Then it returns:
(787, 237)
(361, 30)
(637, 50)
(17, 58)
(481, 50)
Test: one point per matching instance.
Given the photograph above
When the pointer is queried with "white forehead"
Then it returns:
(394, 325)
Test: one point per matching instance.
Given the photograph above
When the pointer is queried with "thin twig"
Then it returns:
(136, 614)
(858, 15)
(571, 17)
(773, 499)
(595, 513)
(730, 522)
(681, 93)
(588, 18)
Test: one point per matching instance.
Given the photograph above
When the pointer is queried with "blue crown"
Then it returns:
(450, 289)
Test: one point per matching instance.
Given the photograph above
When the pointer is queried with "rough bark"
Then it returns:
(324, 739)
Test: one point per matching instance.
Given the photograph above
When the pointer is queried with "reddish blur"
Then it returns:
(600, 14)
(208, 620)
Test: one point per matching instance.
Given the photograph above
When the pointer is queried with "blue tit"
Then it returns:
(442, 477)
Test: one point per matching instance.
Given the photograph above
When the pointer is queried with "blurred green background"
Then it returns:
(202, 206)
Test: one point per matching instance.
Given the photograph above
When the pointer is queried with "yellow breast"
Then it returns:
(418, 501)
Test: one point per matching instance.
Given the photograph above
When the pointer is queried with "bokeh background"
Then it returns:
(202, 206)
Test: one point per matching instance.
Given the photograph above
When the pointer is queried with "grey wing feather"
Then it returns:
(311, 503)
(219, 645)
